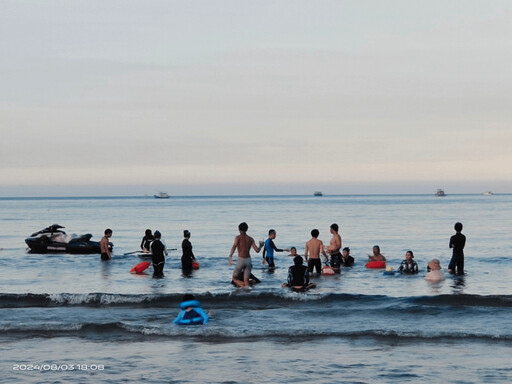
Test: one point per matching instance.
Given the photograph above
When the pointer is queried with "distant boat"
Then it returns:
(440, 193)
(318, 193)
(488, 193)
(161, 195)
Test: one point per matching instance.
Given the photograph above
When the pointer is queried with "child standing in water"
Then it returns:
(457, 243)
(270, 248)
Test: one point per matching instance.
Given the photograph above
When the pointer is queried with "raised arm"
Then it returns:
(255, 247)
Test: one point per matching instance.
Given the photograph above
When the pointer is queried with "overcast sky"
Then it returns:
(220, 97)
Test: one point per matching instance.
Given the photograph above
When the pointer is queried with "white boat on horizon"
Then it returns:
(487, 193)
(161, 195)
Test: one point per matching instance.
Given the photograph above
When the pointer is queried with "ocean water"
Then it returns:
(74, 319)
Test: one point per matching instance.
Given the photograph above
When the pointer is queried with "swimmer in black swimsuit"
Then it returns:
(457, 243)
(188, 256)
(146, 240)
(347, 259)
(298, 276)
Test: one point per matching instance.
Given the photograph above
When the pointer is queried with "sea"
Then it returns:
(75, 319)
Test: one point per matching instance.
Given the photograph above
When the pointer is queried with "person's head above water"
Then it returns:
(376, 249)
(271, 232)
(458, 227)
(186, 233)
(298, 260)
(243, 227)
(335, 227)
(148, 232)
(315, 233)
(158, 234)
(188, 297)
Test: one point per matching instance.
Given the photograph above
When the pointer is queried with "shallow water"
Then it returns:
(356, 327)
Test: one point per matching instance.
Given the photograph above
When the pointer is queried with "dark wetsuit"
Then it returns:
(348, 261)
(298, 278)
(187, 258)
(158, 258)
(146, 242)
(298, 275)
(408, 268)
(457, 242)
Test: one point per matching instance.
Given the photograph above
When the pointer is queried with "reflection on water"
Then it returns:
(458, 284)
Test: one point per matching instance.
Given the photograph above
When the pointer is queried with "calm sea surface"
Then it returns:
(74, 319)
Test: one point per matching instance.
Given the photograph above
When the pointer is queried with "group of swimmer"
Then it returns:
(298, 274)
(153, 245)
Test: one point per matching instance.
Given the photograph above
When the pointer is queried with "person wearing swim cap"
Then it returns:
(158, 253)
(243, 244)
(187, 257)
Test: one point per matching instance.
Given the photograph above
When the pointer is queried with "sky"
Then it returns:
(101, 97)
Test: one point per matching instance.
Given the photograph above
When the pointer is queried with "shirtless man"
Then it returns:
(104, 249)
(243, 244)
(377, 256)
(334, 248)
(313, 249)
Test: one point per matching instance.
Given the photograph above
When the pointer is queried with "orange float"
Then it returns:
(376, 264)
(141, 267)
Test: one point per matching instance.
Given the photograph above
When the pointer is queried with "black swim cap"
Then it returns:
(186, 233)
(346, 249)
(298, 260)
(157, 234)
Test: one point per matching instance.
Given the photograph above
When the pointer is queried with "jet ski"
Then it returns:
(54, 239)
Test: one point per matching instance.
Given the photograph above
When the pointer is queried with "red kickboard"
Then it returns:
(195, 265)
(141, 267)
(376, 264)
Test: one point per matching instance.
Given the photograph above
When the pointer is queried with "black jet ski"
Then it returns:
(54, 239)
